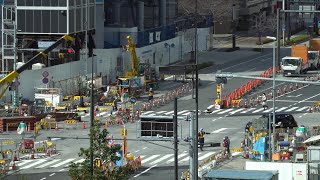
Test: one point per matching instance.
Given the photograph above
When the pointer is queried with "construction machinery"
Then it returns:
(7, 80)
(141, 77)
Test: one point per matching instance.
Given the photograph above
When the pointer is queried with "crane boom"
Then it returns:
(14, 74)
(134, 59)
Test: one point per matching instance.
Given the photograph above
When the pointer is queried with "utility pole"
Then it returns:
(195, 133)
(278, 37)
(175, 136)
(191, 149)
(15, 91)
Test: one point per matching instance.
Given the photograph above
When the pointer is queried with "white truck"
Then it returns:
(300, 61)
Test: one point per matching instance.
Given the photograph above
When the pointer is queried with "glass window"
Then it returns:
(54, 3)
(37, 2)
(37, 21)
(71, 2)
(46, 3)
(63, 3)
(54, 21)
(29, 23)
(21, 2)
(21, 25)
(46, 21)
(29, 2)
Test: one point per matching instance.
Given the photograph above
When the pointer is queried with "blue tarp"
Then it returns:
(260, 146)
(240, 174)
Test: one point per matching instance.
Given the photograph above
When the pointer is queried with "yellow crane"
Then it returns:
(134, 59)
(14, 74)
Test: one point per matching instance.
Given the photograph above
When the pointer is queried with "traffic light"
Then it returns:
(66, 51)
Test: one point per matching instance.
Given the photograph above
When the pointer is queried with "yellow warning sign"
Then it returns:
(123, 132)
(70, 121)
(108, 104)
(82, 109)
(97, 162)
(236, 101)
(24, 150)
(12, 124)
(103, 109)
(40, 149)
(237, 150)
(7, 142)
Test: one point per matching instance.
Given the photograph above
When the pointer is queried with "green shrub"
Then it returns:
(297, 39)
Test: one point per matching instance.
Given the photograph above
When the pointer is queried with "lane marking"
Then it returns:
(246, 61)
(52, 174)
(147, 112)
(305, 114)
(213, 120)
(217, 110)
(145, 148)
(43, 178)
(211, 106)
(219, 130)
(61, 170)
(160, 112)
(145, 171)
(181, 112)
(269, 110)
(170, 112)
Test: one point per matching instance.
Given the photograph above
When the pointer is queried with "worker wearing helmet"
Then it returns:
(201, 138)
(150, 95)
(226, 144)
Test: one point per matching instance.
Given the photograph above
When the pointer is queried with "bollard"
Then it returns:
(251, 102)
(120, 121)
(29, 127)
(15, 158)
(54, 150)
(258, 100)
(56, 126)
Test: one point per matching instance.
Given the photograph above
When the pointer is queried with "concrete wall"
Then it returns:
(67, 75)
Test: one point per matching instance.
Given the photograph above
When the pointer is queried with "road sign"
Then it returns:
(133, 100)
(45, 80)
(45, 74)
(70, 121)
(218, 88)
(123, 132)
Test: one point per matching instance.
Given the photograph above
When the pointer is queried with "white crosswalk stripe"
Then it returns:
(187, 158)
(33, 164)
(238, 110)
(303, 108)
(62, 163)
(246, 111)
(170, 112)
(179, 156)
(161, 159)
(149, 158)
(258, 110)
(269, 110)
(147, 112)
(160, 112)
(205, 156)
(181, 112)
(291, 109)
(225, 111)
(217, 110)
(283, 108)
(48, 163)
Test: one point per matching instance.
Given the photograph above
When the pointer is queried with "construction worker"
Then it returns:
(150, 95)
(201, 138)
(22, 128)
(264, 101)
(226, 144)
(114, 105)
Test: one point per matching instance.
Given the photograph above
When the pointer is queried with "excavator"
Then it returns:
(7, 80)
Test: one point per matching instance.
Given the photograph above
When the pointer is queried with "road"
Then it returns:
(157, 156)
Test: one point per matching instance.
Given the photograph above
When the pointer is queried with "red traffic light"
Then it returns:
(70, 50)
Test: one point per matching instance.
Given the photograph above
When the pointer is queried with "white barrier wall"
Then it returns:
(287, 171)
(106, 61)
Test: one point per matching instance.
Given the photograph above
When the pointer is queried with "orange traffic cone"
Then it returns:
(32, 154)
(14, 166)
(56, 127)
(83, 125)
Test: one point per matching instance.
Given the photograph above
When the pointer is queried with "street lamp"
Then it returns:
(169, 46)
(273, 88)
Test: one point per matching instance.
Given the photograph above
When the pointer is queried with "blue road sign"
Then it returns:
(133, 100)
(45, 80)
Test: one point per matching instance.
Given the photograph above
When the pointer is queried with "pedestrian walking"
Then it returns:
(201, 138)
(264, 101)
(226, 145)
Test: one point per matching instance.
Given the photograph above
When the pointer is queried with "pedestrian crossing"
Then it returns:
(46, 163)
(169, 113)
(257, 110)
(146, 160)
(101, 114)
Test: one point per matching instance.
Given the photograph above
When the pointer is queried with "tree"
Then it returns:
(107, 155)
(263, 24)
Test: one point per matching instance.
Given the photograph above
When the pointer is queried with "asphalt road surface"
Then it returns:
(157, 156)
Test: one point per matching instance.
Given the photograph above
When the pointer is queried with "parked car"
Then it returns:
(283, 120)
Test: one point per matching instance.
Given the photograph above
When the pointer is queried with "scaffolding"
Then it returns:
(8, 36)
